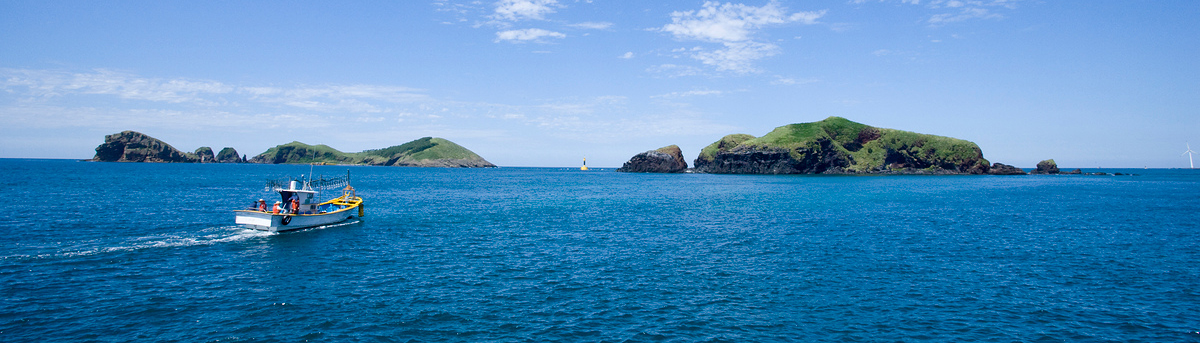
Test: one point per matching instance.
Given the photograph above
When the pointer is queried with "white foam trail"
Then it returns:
(208, 236)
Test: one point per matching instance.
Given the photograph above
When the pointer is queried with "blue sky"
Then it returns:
(547, 83)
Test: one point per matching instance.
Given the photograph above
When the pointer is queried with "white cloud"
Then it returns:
(674, 70)
(688, 94)
(42, 83)
(163, 98)
(960, 10)
(737, 57)
(787, 81)
(734, 26)
(627, 55)
(527, 35)
(728, 22)
(967, 13)
(592, 25)
(516, 10)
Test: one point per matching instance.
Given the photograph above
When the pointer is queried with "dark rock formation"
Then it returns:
(131, 146)
(205, 154)
(668, 159)
(229, 155)
(1046, 167)
(1074, 172)
(818, 157)
(1004, 169)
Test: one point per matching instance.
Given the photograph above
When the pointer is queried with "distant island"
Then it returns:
(423, 152)
(132, 146)
(834, 145)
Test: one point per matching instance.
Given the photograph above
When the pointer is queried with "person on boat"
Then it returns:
(262, 205)
(295, 205)
(277, 208)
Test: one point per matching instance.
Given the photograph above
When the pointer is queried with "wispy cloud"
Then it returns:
(527, 35)
(674, 70)
(42, 83)
(49, 83)
(517, 10)
(689, 94)
(592, 25)
(735, 27)
(787, 81)
(952, 11)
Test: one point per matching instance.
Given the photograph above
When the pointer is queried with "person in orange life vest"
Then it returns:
(262, 205)
(277, 208)
(295, 206)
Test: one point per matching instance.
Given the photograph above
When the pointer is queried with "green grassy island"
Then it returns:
(423, 152)
(840, 146)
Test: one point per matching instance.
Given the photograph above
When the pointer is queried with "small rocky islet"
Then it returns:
(833, 146)
(132, 146)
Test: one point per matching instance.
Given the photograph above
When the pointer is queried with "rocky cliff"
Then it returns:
(205, 155)
(668, 159)
(132, 146)
(840, 146)
(229, 155)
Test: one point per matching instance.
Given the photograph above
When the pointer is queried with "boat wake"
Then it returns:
(203, 237)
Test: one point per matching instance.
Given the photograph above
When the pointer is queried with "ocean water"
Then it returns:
(116, 252)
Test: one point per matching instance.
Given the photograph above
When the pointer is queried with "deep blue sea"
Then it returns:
(117, 252)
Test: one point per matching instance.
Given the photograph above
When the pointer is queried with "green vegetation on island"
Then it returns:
(423, 152)
(840, 146)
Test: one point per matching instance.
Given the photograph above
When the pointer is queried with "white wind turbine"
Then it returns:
(1189, 152)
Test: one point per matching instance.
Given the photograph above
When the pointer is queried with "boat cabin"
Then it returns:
(306, 197)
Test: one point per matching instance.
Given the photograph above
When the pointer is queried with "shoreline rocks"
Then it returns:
(1004, 169)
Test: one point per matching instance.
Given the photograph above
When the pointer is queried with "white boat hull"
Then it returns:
(266, 221)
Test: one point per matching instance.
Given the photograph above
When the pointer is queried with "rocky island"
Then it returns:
(668, 159)
(132, 146)
(423, 152)
(840, 146)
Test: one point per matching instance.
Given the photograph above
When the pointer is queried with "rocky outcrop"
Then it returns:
(229, 155)
(205, 154)
(1075, 172)
(1004, 169)
(1046, 167)
(840, 146)
(132, 146)
(668, 159)
(818, 157)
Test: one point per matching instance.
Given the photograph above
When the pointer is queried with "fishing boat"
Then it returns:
(299, 206)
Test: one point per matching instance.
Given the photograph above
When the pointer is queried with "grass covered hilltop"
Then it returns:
(840, 146)
(423, 152)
